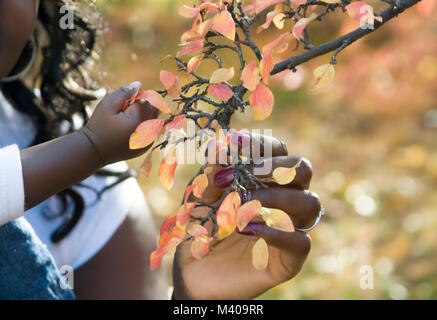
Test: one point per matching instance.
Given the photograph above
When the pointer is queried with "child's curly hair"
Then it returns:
(57, 99)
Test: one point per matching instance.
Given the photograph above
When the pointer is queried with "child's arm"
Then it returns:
(53, 166)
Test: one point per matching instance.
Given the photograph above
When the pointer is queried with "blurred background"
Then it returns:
(370, 136)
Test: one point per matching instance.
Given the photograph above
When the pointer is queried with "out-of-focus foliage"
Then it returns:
(370, 136)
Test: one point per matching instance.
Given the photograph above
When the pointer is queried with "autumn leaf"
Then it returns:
(275, 16)
(283, 175)
(194, 63)
(155, 99)
(190, 47)
(200, 184)
(225, 25)
(220, 91)
(227, 214)
(279, 45)
(277, 219)
(177, 232)
(168, 224)
(260, 255)
(171, 83)
(167, 169)
(184, 212)
(222, 75)
(196, 230)
(300, 26)
(323, 75)
(250, 76)
(261, 5)
(200, 247)
(362, 11)
(247, 212)
(145, 133)
(156, 258)
(177, 123)
(262, 101)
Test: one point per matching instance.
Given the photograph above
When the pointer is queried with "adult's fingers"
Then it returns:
(116, 100)
(302, 206)
(295, 246)
(266, 146)
(304, 172)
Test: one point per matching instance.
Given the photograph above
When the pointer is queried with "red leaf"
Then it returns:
(220, 91)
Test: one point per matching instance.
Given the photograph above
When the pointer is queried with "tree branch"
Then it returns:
(387, 15)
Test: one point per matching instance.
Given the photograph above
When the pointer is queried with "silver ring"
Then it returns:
(319, 217)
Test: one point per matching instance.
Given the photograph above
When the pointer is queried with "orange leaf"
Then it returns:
(194, 63)
(156, 258)
(145, 133)
(177, 232)
(167, 169)
(260, 254)
(168, 224)
(171, 83)
(224, 24)
(227, 214)
(196, 230)
(277, 219)
(200, 184)
(220, 91)
(247, 212)
(200, 247)
(262, 101)
(283, 175)
(222, 75)
(250, 76)
(155, 99)
(184, 212)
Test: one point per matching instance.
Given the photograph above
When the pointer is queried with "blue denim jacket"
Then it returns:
(27, 270)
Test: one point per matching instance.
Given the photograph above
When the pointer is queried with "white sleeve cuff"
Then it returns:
(11, 185)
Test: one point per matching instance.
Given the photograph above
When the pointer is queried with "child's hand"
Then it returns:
(109, 128)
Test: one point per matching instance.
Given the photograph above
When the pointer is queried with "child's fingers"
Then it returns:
(142, 111)
(117, 99)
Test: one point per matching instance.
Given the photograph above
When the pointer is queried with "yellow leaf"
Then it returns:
(222, 75)
(324, 75)
(277, 219)
(260, 255)
(283, 175)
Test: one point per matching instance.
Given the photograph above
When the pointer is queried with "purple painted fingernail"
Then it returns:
(246, 196)
(252, 229)
(224, 178)
(238, 138)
